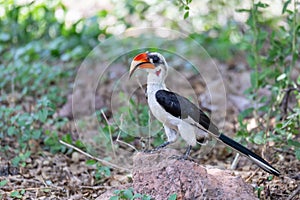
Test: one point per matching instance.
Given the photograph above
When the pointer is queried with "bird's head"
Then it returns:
(153, 62)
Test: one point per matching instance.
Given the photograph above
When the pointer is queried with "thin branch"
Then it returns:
(93, 157)
(125, 143)
(285, 100)
(251, 176)
(97, 187)
(38, 188)
(120, 141)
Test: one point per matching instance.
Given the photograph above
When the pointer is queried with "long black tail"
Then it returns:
(252, 156)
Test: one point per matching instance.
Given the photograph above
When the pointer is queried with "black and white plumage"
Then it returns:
(179, 115)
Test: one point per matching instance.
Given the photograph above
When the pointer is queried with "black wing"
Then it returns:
(181, 107)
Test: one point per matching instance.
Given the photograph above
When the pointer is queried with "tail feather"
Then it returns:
(252, 156)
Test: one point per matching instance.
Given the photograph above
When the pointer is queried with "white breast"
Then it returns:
(158, 111)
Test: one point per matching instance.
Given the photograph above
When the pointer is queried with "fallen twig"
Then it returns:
(294, 193)
(125, 143)
(251, 176)
(93, 157)
(19, 188)
(97, 187)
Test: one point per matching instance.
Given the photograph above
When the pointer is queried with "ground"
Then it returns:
(67, 176)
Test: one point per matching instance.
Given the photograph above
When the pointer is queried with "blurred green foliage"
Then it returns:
(101, 171)
(129, 195)
(39, 54)
(272, 54)
(36, 47)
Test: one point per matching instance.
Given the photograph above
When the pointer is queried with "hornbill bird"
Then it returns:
(179, 115)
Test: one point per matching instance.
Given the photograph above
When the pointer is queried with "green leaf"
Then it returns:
(146, 197)
(270, 178)
(285, 5)
(262, 5)
(24, 156)
(114, 198)
(279, 125)
(79, 144)
(46, 190)
(137, 196)
(128, 194)
(90, 162)
(36, 134)
(105, 170)
(294, 143)
(264, 108)
(186, 14)
(242, 10)
(172, 197)
(246, 113)
(67, 138)
(297, 30)
(15, 161)
(102, 13)
(251, 61)
(11, 130)
(3, 183)
(259, 189)
(117, 192)
(254, 79)
(42, 115)
(259, 138)
(15, 194)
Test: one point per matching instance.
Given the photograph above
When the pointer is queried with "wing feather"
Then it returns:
(181, 107)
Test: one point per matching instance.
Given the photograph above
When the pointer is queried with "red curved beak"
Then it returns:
(140, 61)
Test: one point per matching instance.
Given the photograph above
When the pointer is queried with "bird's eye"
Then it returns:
(155, 59)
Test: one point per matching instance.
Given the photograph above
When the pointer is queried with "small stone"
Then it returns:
(46, 163)
(75, 157)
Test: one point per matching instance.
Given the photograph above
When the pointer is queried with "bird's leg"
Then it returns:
(162, 145)
(171, 135)
(158, 147)
(187, 152)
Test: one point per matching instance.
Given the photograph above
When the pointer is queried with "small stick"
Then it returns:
(120, 141)
(93, 157)
(251, 176)
(19, 188)
(294, 193)
(125, 143)
(97, 187)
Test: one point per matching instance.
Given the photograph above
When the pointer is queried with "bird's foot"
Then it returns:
(150, 150)
(181, 158)
(185, 156)
(157, 148)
